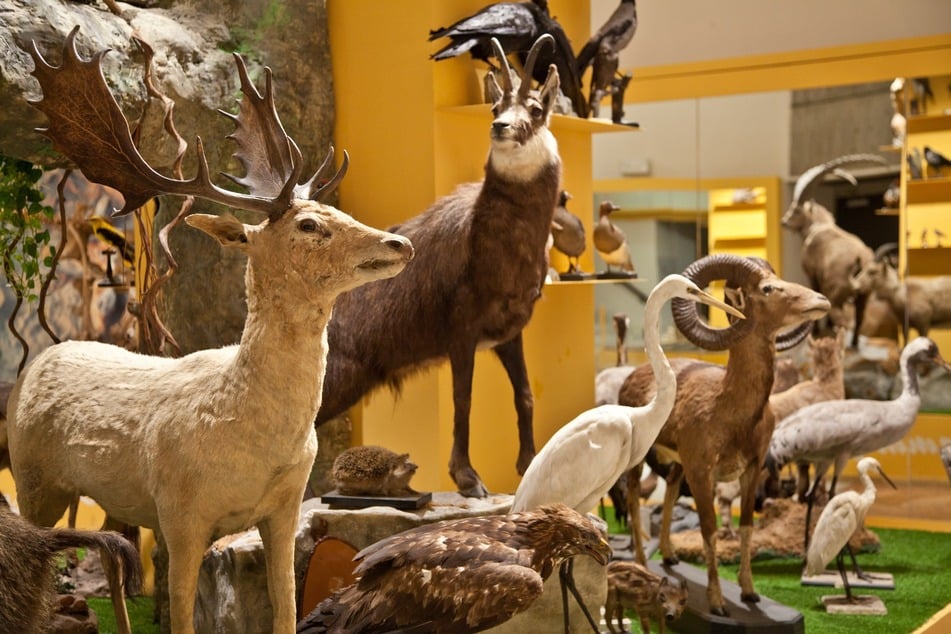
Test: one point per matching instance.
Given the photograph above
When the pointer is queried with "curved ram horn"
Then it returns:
(807, 179)
(738, 272)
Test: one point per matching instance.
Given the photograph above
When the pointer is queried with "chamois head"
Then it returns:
(522, 144)
(803, 211)
(877, 273)
(769, 303)
(321, 245)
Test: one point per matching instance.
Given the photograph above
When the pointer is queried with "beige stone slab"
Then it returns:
(866, 604)
(832, 579)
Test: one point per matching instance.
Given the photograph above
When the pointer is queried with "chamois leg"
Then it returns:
(674, 478)
(701, 484)
(277, 534)
(748, 481)
(462, 361)
(512, 356)
(634, 513)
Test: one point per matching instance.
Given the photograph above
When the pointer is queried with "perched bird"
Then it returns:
(581, 461)
(113, 236)
(914, 164)
(841, 517)
(832, 432)
(601, 52)
(938, 236)
(610, 242)
(463, 575)
(936, 161)
(516, 25)
(892, 195)
(568, 232)
(923, 94)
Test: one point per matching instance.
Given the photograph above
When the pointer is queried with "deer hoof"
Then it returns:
(469, 483)
(749, 597)
(719, 610)
(671, 561)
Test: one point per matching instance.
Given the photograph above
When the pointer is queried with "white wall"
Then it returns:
(680, 31)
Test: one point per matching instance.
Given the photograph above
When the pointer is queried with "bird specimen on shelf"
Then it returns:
(914, 164)
(567, 230)
(611, 244)
(464, 575)
(936, 161)
(832, 432)
(938, 236)
(516, 25)
(921, 86)
(601, 52)
(892, 196)
(584, 458)
(841, 517)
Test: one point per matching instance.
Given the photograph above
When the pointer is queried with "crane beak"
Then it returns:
(704, 297)
(941, 363)
(885, 477)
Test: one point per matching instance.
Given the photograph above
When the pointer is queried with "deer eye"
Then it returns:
(308, 225)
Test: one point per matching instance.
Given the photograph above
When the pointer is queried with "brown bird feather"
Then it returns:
(463, 575)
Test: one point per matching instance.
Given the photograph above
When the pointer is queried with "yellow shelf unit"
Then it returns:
(414, 133)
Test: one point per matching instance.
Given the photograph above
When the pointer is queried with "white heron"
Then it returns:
(840, 518)
(833, 432)
(581, 461)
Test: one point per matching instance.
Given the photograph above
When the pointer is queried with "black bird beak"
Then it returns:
(885, 477)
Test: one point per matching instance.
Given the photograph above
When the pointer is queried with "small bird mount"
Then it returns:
(111, 280)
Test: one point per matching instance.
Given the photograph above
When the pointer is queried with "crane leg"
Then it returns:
(566, 574)
(810, 497)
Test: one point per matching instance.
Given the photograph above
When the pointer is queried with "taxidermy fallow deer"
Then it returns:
(219, 440)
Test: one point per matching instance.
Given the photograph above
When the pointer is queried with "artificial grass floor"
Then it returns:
(920, 562)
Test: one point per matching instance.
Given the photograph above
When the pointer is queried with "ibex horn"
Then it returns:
(805, 181)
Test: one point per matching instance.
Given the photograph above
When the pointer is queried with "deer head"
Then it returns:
(87, 125)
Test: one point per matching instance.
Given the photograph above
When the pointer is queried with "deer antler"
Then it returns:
(87, 125)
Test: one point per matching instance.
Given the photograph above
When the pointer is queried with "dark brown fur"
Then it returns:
(26, 568)
(481, 260)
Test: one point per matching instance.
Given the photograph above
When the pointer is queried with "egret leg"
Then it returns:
(810, 496)
(566, 573)
(840, 564)
(861, 574)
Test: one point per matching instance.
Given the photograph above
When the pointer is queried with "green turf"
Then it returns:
(920, 562)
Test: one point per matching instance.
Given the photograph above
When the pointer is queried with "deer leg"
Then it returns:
(674, 477)
(748, 482)
(634, 513)
(460, 468)
(277, 534)
(186, 546)
(512, 355)
(113, 572)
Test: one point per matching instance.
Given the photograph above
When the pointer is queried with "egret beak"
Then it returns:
(704, 297)
(885, 477)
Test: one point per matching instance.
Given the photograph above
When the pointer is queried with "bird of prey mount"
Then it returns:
(601, 52)
(516, 25)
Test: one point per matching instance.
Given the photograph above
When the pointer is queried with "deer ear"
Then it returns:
(549, 90)
(226, 229)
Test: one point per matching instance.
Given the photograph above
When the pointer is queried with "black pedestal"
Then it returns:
(404, 503)
(766, 616)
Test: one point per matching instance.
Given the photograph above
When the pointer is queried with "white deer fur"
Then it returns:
(216, 441)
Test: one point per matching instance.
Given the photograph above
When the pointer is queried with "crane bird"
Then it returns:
(581, 461)
(464, 575)
(832, 432)
(840, 518)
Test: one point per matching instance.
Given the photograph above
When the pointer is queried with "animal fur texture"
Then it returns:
(632, 586)
(371, 470)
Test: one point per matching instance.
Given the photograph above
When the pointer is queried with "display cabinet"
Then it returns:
(414, 133)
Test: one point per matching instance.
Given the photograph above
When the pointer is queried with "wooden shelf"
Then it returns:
(633, 280)
(885, 211)
(928, 123)
(930, 190)
(934, 261)
(558, 121)
(741, 207)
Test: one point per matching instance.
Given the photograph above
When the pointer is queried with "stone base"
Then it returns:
(866, 604)
(832, 579)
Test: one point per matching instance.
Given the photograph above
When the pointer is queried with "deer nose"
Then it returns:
(401, 245)
(499, 126)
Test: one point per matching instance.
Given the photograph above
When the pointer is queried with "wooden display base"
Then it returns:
(766, 616)
(333, 499)
(866, 604)
(576, 276)
(832, 579)
(616, 275)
